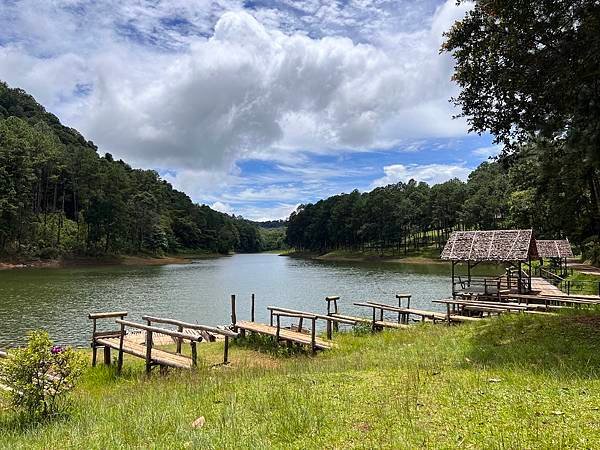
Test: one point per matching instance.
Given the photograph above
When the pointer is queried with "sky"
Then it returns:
(251, 107)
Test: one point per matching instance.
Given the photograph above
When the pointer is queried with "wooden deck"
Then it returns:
(157, 356)
(288, 335)
(545, 287)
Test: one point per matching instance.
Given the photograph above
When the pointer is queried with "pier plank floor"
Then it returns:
(288, 335)
(158, 356)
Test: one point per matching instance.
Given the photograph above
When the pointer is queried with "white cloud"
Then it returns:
(246, 90)
(222, 207)
(487, 152)
(429, 173)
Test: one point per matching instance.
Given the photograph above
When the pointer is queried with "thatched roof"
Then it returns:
(560, 248)
(494, 245)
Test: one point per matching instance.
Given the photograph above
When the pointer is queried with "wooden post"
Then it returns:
(313, 335)
(278, 327)
(448, 313)
(329, 332)
(252, 310)
(148, 351)
(300, 324)
(107, 355)
(399, 306)
(94, 349)
(226, 350)
(179, 340)
(233, 313)
(120, 358)
(469, 272)
(374, 319)
(194, 354)
(453, 291)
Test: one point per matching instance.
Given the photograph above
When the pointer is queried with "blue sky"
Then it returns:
(252, 107)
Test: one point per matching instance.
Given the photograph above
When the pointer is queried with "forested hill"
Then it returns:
(59, 196)
(533, 188)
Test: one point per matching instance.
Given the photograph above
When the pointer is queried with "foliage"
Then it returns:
(591, 251)
(41, 375)
(528, 73)
(58, 196)
(273, 238)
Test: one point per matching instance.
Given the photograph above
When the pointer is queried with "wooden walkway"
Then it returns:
(284, 334)
(141, 343)
(544, 287)
(158, 357)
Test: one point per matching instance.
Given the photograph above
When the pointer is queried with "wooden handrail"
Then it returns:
(106, 315)
(192, 326)
(310, 315)
(176, 334)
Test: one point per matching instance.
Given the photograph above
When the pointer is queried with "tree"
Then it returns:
(531, 70)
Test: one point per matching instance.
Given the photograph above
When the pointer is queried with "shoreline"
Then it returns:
(90, 261)
(365, 258)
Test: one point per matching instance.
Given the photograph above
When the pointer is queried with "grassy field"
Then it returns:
(515, 382)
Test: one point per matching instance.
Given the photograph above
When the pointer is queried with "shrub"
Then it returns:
(41, 375)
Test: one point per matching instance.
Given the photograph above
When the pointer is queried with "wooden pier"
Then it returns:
(120, 341)
(274, 328)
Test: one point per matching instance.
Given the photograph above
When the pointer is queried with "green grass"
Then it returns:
(582, 283)
(519, 381)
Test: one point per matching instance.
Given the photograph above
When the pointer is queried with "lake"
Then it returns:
(59, 300)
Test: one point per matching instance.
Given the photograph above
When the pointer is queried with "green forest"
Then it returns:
(58, 196)
(529, 76)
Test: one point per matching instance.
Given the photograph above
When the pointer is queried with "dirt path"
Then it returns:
(585, 268)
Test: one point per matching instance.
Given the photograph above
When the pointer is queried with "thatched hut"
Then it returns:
(516, 247)
(558, 250)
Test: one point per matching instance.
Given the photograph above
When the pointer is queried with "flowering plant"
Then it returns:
(40, 375)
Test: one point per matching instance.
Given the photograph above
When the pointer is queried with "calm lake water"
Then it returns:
(59, 300)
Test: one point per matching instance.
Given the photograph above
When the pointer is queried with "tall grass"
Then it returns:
(514, 382)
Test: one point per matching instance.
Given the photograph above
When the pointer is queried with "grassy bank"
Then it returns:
(515, 382)
(427, 255)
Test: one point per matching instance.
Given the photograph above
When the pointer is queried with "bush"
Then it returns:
(41, 375)
(49, 253)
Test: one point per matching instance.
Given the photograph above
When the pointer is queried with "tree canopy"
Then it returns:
(59, 196)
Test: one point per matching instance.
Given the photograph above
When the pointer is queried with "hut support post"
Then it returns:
(453, 291)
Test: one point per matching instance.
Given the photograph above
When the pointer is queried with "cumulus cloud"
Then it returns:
(193, 88)
(248, 88)
(429, 173)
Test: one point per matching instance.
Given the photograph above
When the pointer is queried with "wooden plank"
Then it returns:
(354, 319)
(284, 334)
(105, 315)
(157, 356)
(416, 312)
(191, 326)
(310, 315)
(176, 334)
(385, 323)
